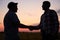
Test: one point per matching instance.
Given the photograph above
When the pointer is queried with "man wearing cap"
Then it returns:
(11, 23)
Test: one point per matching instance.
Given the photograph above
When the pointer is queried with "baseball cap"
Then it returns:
(12, 4)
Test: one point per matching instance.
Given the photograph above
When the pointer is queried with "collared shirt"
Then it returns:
(49, 22)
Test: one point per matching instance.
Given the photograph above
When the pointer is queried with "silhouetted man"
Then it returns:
(49, 24)
(11, 23)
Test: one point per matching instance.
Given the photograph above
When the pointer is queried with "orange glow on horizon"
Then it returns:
(1, 28)
(19, 29)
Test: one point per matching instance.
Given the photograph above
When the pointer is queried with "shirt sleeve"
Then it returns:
(14, 19)
(53, 22)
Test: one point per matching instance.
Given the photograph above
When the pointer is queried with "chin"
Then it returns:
(42, 9)
(15, 11)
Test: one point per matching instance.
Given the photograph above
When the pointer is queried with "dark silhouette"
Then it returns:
(11, 23)
(49, 24)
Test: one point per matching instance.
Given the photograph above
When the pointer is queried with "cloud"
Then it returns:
(35, 24)
(0, 23)
(58, 11)
(1, 28)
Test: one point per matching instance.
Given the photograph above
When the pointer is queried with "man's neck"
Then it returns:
(11, 11)
(47, 10)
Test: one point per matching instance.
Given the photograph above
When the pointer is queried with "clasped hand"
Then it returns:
(31, 28)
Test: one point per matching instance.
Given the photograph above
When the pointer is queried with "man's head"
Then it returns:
(46, 5)
(12, 6)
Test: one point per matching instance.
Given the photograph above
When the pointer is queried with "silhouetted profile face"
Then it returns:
(12, 6)
(46, 5)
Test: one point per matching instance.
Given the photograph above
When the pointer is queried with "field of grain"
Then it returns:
(28, 36)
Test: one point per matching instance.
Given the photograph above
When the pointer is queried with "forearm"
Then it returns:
(23, 26)
(36, 28)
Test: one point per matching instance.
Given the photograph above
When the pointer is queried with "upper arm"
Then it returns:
(14, 19)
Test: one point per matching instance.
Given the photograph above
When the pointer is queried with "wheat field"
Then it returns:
(28, 36)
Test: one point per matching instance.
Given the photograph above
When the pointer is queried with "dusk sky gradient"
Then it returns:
(29, 11)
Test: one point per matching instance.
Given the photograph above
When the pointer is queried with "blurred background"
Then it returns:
(29, 13)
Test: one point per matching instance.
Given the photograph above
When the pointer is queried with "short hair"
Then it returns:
(47, 3)
(12, 5)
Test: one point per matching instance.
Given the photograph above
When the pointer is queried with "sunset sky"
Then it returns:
(29, 11)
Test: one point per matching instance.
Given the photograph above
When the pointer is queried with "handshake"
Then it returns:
(33, 28)
(30, 27)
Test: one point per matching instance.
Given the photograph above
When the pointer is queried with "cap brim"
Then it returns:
(16, 3)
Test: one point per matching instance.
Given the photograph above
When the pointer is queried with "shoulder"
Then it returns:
(11, 14)
(52, 11)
